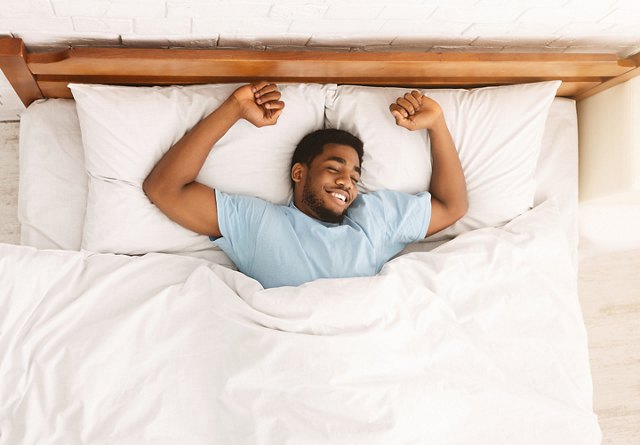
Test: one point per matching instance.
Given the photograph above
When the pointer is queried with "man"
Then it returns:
(328, 230)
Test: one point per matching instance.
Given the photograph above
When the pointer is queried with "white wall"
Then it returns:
(609, 135)
(555, 25)
(609, 125)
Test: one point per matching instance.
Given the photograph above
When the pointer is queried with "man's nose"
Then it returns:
(344, 180)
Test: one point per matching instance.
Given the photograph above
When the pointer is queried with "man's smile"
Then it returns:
(341, 197)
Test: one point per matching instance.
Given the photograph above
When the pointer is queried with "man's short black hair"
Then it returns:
(312, 144)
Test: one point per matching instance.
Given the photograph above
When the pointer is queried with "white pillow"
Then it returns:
(498, 134)
(126, 130)
(52, 193)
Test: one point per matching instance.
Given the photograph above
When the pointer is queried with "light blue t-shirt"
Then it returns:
(281, 246)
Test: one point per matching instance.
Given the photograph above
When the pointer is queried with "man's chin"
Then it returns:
(322, 210)
(327, 215)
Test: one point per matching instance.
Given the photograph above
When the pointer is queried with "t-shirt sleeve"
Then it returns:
(406, 216)
(239, 218)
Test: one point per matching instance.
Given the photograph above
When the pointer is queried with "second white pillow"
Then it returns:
(497, 130)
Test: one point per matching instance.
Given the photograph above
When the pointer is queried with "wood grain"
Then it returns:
(13, 56)
(52, 71)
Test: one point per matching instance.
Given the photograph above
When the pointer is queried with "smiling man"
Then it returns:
(328, 230)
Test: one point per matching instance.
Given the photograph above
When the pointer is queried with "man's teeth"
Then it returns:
(339, 196)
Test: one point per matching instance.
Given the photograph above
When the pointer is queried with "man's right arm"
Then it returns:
(448, 188)
(172, 185)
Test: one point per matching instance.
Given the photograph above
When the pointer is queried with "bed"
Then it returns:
(116, 327)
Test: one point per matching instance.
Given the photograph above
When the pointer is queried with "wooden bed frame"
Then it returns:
(37, 75)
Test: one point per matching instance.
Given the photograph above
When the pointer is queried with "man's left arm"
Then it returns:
(448, 188)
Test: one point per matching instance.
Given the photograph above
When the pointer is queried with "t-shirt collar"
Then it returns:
(324, 223)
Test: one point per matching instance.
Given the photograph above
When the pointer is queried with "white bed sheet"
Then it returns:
(170, 349)
(52, 175)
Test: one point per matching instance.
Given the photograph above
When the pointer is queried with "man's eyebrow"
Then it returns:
(343, 161)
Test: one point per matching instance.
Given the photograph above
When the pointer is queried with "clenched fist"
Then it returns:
(415, 111)
(259, 103)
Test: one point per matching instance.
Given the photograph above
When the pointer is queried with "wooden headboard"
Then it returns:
(36, 75)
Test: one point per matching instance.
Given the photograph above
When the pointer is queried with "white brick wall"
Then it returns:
(346, 25)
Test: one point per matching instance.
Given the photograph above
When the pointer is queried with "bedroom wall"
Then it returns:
(347, 25)
(610, 141)
(609, 137)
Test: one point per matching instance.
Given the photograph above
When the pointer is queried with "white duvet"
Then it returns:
(480, 341)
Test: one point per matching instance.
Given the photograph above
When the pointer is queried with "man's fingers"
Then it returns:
(264, 88)
(268, 97)
(274, 105)
(258, 86)
(397, 115)
(276, 115)
(270, 118)
(399, 109)
(413, 100)
(406, 105)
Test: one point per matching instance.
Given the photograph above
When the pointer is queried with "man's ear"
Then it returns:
(297, 172)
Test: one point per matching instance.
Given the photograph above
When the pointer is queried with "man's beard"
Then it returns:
(315, 204)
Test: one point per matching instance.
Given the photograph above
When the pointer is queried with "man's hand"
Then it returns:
(259, 103)
(414, 111)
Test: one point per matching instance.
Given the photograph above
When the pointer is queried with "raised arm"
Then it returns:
(448, 188)
(172, 185)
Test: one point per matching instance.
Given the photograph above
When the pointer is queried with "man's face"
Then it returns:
(325, 189)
